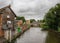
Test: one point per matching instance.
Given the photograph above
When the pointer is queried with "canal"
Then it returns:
(33, 35)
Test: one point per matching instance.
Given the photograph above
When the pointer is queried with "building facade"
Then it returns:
(7, 20)
(1, 31)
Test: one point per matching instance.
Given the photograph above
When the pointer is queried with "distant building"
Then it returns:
(27, 21)
(19, 23)
(35, 24)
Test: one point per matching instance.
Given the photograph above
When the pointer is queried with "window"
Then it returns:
(8, 16)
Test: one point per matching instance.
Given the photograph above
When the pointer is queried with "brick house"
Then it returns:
(7, 19)
(20, 23)
(27, 21)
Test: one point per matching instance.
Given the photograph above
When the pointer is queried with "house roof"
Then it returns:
(9, 6)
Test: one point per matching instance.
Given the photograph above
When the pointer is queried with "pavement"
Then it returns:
(33, 35)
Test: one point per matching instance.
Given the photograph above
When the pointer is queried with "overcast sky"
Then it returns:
(30, 9)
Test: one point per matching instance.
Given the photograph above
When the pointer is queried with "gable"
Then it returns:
(8, 10)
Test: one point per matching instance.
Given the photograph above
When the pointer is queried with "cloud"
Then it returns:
(30, 8)
(4, 3)
(33, 8)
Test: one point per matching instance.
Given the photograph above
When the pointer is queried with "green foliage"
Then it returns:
(21, 18)
(58, 29)
(19, 29)
(18, 18)
(38, 20)
(28, 26)
(32, 20)
(42, 21)
(44, 26)
(52, 18)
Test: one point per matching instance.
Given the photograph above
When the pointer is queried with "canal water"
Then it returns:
(33, 35)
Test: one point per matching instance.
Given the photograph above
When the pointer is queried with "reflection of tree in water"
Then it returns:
(52, 38)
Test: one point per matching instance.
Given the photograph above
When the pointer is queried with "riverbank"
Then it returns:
(20, 33)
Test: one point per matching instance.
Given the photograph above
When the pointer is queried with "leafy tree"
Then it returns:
(42, 21)
(32, 20)
(21, 18)
(52, 18)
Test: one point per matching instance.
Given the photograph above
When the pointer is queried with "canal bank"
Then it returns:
(33, 35)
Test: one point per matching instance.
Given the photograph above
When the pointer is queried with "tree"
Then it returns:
(21, 18)
(42, 21)
(32, 20)
(52, 18)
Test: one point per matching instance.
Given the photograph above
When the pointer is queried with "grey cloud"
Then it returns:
(33, 8)
(30, 8)
(4, 3)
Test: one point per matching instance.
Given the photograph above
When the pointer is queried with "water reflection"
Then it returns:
(33, 35)
(53, 38)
